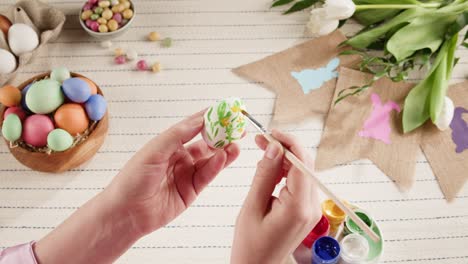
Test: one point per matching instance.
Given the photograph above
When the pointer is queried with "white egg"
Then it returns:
(22, 39)
(8, 62)
(132, 55)
(446, 115)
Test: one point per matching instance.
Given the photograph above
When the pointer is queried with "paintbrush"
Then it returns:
(301, 166)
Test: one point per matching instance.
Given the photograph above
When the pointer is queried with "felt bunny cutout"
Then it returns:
(377, 126)
(459, 129)
(313, 79)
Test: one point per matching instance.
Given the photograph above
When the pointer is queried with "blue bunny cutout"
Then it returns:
(311, 79)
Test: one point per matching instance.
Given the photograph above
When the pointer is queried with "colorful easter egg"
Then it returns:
(15, 110)
(35, 130)
(96, 107)
(77, 90)
(224, 123)
(60, 74)
(91, 85)
(44, 96)
(22, 39)
(8, 60)
(72, 118)
(59, 140)
(11, 128)
(10, 96)
(23, 97)
(5, 24)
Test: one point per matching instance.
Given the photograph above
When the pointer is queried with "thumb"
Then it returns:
(264, 182)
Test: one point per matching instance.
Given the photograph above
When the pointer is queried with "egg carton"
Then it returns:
(47, 21)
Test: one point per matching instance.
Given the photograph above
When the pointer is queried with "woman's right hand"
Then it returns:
(269, 228)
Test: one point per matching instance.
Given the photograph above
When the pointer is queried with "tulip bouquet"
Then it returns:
(412, 35)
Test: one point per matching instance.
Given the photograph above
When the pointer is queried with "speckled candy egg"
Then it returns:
(10, 96)
(60, 74)
(11, 128)
(22, 39)
(44, 96)
(15, 110)
(76, 89)
(59, 140)
(96, 107)
(72, 118)
(224, 123)
(35, 130)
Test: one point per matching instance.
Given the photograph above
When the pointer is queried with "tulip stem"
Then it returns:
(426, 5)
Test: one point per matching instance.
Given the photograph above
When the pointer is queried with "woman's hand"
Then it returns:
(270, 228)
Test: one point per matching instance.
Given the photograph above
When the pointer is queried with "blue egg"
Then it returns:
(76, 89)
(96, 107)
(23, 97)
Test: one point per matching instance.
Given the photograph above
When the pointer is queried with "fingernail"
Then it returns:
(272, 151)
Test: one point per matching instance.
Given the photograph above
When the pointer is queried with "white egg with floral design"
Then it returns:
(224, 123)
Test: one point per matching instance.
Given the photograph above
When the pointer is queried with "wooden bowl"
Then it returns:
(57, 162)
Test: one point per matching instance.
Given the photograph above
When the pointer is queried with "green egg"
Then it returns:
(44, 96)
(59, 140)
(60, 74)
(12, 128)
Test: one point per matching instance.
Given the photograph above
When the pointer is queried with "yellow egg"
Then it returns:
(153, 36)
(127, 14)
(107, 14)
(113, 25)
(72, 118)
(119, 52)
(104, 3)
(126, 4)
(103, 29)
(86, 14)
(102, 21)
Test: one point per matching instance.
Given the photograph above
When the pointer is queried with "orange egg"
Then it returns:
(91, 84)
(5, 25)
(10, 96)
(72, 118)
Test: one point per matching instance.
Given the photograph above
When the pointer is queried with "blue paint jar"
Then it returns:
(326, 250)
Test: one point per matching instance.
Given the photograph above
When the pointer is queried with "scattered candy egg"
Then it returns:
(142, 65)
(96, 107)
(10, 96)
(132, 55)
(167, 42)
(60, 74)
(119, 52)
(156, 67)
(11, 128)
(103, 28)
(112, 25)
(44, 96)
(120, 59)
(35, 130)
(224, 123)
(22, 39)
(91, 85)
(8, 60)
(59, 140)
(72, 118)
(23, 97)
(76, 89)
(127, 13)
(106, 44)
(5, 25)
(153, 36)
(15, 110)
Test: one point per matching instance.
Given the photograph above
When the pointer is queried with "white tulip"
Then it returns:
(446, 115)
(339, 9)
(319, 25)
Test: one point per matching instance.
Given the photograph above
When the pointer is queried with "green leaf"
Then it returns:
(457, 26)
(372, 16)
(301, 5)
(281, 2)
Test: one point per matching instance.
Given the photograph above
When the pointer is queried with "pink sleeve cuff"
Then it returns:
(20, 254)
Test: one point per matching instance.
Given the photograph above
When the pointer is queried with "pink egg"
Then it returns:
(15, 110)
(120, 59)
(88, 22)
(94, 26)
(87, 7)
(142, 65)
(35, 130)
(117, 17)
(92, 2)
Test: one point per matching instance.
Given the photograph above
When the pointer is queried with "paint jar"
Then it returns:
(326, 250)
(351, 227)
(354, 249)
(321, 229)
(334, 215)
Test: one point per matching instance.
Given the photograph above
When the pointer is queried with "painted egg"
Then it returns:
(15, 110)
(60, 74)
(8, 60)
(96, 107)
(224, 123)
(22, 39)
(72, 118)
(23, 97)
(5, 24)
(77, 90)
(59, 140)
(91, 85)
(35, 130)
(10, 96)
(44, 96)
(11, 128)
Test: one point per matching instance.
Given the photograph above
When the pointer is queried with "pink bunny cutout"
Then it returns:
(377, 126)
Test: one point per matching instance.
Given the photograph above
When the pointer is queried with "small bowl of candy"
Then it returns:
(107, 19)
(54, 121)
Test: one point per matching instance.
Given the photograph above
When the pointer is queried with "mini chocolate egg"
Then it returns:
(23, 97)
(224, 123)
(22, 39)
(15, 110)
(8, 60)
(76, 89)
(96, 107)
(5, 25)
(10, 96)
(35, 130)
(60, 74)
(72, 118)
(59, 140)
(44, 96)
(91, 85)
(11, 128)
